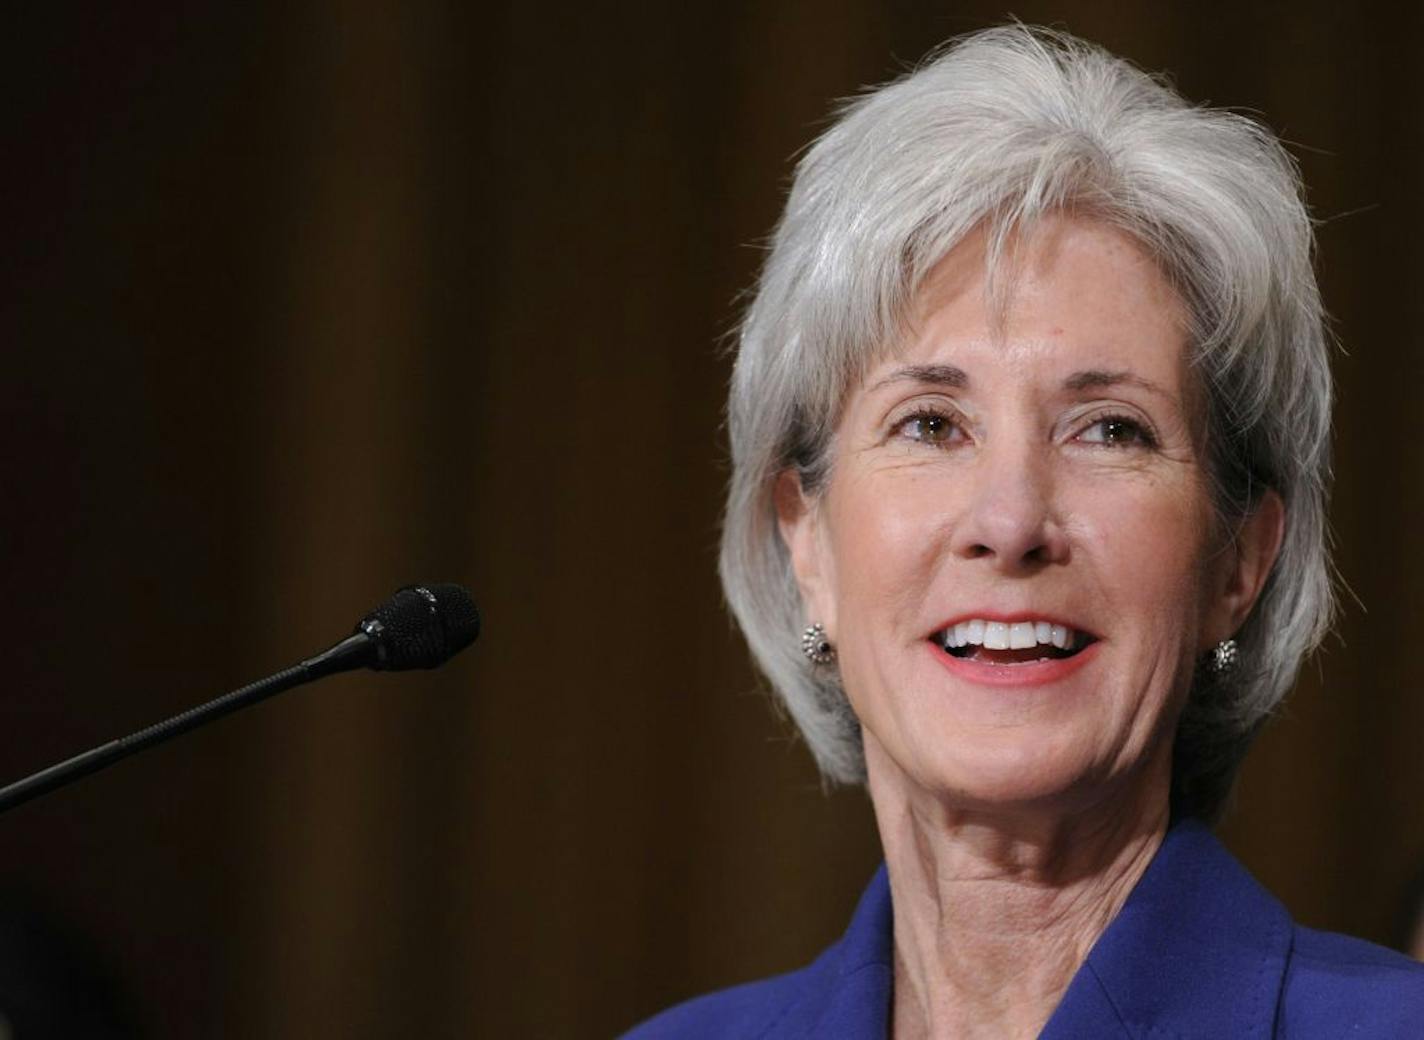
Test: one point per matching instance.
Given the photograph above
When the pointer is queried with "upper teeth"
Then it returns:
(1005, 635)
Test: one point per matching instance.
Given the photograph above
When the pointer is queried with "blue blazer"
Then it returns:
(1198, 950)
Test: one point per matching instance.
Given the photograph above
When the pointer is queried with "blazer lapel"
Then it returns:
(1198, 950)
(847, 991)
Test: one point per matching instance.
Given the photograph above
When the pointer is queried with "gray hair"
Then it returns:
(995, 131)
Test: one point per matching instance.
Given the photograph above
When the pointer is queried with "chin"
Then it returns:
(1010, 768)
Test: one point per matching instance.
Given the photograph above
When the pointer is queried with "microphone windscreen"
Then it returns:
(421, 626)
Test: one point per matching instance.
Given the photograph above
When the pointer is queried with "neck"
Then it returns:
(995, 912)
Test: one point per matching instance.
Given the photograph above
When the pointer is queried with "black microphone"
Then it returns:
(421, 626)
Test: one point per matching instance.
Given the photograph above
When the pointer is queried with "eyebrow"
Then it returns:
(934, 375)
(956, 378)
(1095, 378)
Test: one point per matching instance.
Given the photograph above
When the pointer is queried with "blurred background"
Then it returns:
(308, 301)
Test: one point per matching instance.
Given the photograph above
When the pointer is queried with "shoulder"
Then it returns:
(1338, 986)
(747, 1011)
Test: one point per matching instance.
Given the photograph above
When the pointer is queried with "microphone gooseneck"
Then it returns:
(421, 626)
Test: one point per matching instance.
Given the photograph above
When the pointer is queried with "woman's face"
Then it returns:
(1015, 553)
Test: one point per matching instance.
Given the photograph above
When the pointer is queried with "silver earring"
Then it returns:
(1224, 657)
(816, 646)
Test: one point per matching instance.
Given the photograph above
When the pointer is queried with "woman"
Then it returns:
(1029, 424)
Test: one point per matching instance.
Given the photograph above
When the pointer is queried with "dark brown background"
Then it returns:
(308, 301)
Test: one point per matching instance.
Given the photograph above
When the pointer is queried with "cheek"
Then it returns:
(884, 538)
(1146, 543)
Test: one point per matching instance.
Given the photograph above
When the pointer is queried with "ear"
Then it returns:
(1245, 564)
(798, 516)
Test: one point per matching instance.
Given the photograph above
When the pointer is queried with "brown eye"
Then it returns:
(931, 428)
(1116, 431)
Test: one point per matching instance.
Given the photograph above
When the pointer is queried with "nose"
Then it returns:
(1011, 518)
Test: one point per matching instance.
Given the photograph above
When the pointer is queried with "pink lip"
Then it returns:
(1029, 673)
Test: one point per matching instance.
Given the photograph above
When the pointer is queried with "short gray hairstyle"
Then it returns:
(995, 131)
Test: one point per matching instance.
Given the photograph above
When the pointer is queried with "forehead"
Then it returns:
(1071, 293)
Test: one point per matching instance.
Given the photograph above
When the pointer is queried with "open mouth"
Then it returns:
(1011, 642)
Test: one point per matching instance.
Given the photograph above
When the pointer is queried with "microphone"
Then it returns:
(421, 626)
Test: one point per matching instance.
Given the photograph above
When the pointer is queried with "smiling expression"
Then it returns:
(1007, 472)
